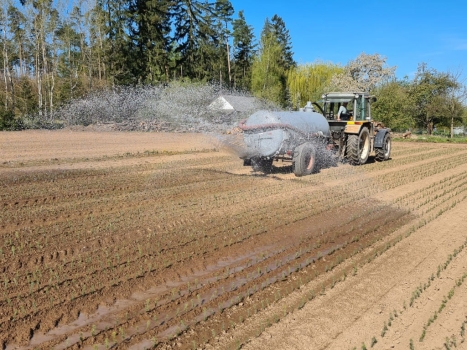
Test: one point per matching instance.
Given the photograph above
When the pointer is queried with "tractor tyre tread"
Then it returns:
(354, 147)
(384, 153)
(303, 155)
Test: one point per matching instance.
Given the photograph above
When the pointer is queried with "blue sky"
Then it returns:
(405, 32)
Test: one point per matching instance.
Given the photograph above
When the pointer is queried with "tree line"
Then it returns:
(430, 100)
(53, 52)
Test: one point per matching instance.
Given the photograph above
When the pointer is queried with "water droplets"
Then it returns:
(175, 107)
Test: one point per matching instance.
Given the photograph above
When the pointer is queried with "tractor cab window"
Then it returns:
(331, 108)
(362, 109)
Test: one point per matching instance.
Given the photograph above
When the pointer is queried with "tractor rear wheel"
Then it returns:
(304, 159)
(358, 147)
(385, 152)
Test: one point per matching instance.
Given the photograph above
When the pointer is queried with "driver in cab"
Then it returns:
(342, 113)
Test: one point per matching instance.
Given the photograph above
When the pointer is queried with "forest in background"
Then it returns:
(54, 54)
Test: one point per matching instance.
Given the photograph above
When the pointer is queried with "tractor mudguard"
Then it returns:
(380, 137)
(352, 128)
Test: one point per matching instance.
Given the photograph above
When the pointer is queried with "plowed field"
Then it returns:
(147, 240)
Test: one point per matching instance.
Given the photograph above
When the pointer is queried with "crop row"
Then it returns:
(160, 228)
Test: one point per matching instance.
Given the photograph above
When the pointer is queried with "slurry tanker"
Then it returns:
(298, 137)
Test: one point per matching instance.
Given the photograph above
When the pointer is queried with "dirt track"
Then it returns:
(139, 240)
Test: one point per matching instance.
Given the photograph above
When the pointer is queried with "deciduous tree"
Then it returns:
(392, 106)
(429, 96)
(308, 82)
(364, 73)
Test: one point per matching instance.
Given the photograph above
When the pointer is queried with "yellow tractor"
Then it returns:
(353, 133)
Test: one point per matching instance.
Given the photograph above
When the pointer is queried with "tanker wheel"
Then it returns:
(261, 164)
(358, 147)
(385, 152)
(304, 159)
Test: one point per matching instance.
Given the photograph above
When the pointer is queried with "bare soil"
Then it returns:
(158, 240)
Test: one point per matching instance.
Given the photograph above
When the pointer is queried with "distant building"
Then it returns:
(459, 130)
(231, 103)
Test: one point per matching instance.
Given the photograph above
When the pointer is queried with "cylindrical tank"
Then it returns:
(268, 133)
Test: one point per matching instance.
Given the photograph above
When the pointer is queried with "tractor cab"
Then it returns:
(357, 116)
(353, 133)
(357, 106)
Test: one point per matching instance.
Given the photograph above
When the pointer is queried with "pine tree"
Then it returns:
(42, 25)
(223, 12)
(97, 43)
(8, 100)
(208, 65)
(17, 25)
(199, 35)
(191, 27)
(27, 100)
(286, 60)
(116, 44)
(55, 57)
(150, 37)
(268, 73)
(244, 50)
(284, 40)
(69, 61)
